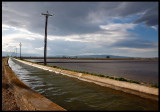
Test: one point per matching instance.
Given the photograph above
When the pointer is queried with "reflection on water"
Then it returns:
(74, 94)
(142, 71)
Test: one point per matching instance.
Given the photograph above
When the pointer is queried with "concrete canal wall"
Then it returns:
(132, 88)
(26, 98)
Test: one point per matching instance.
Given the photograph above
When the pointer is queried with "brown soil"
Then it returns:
(8, 98)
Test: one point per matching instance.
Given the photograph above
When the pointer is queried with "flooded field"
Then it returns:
(74, 94)
(142, 71)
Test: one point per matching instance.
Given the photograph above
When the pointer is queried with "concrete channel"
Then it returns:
(131, 88)
(26, 98)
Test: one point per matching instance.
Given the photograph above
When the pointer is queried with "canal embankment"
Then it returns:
(8, 97)
(132, 88)
(24, 97)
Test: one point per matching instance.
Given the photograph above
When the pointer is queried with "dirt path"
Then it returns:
(8, 98)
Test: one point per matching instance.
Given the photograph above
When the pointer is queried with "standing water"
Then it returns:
(73, 94)
(138, 70)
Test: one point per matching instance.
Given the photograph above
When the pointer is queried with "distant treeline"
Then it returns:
(107, 58)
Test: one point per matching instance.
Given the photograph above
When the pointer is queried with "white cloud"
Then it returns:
(118, 26)
(22, 31)
(17, 36)
(5, 27)
(12, 36)
(137, 49)
(111, 33)
(154, 27)
(42, 48)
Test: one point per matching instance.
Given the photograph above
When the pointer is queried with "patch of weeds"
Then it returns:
(49, 65)
(54, 66)
(121, 79)
(110, 77)
(94, 74)
(132, 81)
(106, 76)
(101, 75)
(116, 78)
(155, 85)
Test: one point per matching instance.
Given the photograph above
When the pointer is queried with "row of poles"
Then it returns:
(16, 51)
(45, 39)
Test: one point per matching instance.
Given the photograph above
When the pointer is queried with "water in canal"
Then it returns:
(74, 94)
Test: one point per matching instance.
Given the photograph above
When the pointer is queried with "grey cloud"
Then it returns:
(135, 43)
(123, 9)
(130, 8)
(69, 17)
(60, 47)
(150, 18)
(72, 17)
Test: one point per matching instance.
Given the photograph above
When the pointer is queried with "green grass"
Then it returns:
(155, 85)
(132, 81)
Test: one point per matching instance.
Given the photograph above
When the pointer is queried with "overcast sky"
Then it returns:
(82, 28)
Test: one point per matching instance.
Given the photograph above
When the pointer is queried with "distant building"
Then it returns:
(107, 57)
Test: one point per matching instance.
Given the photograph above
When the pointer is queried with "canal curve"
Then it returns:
(73, 94)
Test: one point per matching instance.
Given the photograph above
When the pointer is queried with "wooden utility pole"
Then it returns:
(7, 53)
(16, 52)
(45, 40)
(20, 49)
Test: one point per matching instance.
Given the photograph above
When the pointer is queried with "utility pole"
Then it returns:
(16, 52)
(45, 40)
(12, 53)
(20, 49)
(7, 53)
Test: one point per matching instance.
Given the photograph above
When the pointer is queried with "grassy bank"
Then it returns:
(100, 75)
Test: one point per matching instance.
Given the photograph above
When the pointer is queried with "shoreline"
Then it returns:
(132, 88)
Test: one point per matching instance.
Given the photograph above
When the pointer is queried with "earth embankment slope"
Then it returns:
(26, 98)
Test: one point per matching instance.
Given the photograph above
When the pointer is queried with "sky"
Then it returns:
(81, 28)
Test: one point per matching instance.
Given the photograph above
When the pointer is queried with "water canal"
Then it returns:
(74, 94)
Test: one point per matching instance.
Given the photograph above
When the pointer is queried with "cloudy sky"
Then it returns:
(82, 28)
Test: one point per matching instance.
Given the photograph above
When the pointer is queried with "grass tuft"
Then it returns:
(155, 85)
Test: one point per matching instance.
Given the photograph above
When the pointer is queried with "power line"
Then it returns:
(45, 40)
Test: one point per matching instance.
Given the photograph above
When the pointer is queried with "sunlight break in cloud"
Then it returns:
(118, 26)
(111, 33)
(42, 48)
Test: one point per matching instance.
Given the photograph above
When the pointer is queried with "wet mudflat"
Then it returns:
(142, 71)
(74, 94)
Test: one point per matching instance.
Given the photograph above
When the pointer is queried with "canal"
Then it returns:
(74, 94)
